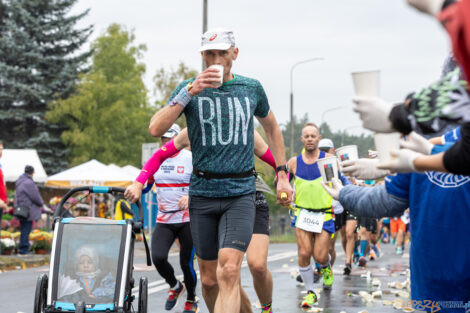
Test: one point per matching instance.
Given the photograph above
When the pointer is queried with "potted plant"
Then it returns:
(8, 245)
(41, 242)
(42, 246)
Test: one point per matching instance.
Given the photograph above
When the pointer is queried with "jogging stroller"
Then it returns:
(91, 266)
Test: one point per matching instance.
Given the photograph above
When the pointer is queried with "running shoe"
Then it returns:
(299, 279)
(399, 250)
(347, 269)
(309, 300)
(372, 255)
(327, 274)
(266, 308)
(190, 307)
(316, 275)
(173, 297)
(362, 261)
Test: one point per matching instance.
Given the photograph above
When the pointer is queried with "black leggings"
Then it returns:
(162, 238)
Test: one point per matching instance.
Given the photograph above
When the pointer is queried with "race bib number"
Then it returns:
(310, 221)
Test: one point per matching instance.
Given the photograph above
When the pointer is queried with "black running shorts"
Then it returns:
(218, 223)
(261, 215)
(340, 220)
(369, 223)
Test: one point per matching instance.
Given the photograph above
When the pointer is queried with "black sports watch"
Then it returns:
(282, 168)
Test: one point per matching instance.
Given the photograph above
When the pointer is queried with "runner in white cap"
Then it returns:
(222, 187)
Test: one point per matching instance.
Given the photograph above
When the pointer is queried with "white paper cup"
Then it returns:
(384, 143)
(220, 68)
(328, 168)
(366, 83)
(347, 153)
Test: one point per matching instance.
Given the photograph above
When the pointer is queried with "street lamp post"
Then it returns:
(330, 110)
(204, 24)
(292, 101)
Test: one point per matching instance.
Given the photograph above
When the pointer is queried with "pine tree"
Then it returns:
(39, 62)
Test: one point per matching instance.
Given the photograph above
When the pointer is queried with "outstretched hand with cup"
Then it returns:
(365, 169)
(374, 113)
(401, 161)
(335, 188)
(210, 78)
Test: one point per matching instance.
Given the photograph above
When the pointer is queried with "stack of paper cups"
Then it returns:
(385, 143)
(328, 168)
(347, 153)
(367, 83)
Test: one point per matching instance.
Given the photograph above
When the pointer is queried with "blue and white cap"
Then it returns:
(217, 39)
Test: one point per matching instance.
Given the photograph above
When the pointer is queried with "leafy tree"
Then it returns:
(108, 115)
(166, 81)
(39, 62)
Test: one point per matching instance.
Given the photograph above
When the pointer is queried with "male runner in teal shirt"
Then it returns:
(222, 187)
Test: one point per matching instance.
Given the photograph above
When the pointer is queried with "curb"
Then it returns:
(14, 262)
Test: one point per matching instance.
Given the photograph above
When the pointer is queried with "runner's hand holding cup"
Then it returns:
(210, 78)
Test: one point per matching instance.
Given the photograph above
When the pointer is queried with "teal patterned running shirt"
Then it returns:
(220, 128)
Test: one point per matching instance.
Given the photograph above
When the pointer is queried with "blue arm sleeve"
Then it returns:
(371, 202)
(441, 148)
(147, 188)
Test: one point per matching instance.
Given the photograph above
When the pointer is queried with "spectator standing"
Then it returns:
(27, 195)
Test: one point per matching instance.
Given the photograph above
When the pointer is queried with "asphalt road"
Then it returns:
(17, 287)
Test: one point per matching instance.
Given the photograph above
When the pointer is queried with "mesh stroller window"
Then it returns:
(88, 266)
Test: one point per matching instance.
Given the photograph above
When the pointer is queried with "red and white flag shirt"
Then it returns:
(172, 183)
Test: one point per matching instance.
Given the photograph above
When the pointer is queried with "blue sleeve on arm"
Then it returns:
(147, 188)
(371, 202)
(441, 148)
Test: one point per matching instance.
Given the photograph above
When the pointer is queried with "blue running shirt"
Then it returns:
(220, 128)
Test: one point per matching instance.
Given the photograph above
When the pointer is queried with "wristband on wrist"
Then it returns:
(183, 97)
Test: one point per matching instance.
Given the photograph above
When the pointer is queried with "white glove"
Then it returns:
(365, 169)
(335, 189)
(417, 143)
(401, 161)
(431, 7)
(374, 114)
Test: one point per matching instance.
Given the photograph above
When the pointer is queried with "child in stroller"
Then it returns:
(88, 281)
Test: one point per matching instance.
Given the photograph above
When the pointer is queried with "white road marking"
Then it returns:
(160, 285)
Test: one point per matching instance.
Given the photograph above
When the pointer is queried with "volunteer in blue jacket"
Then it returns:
(440, 214)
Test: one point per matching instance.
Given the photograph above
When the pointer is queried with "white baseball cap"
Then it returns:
(326, 143)
(217, 39)
(173, 131)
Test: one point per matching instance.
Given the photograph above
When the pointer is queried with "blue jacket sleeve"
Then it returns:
(371, 201)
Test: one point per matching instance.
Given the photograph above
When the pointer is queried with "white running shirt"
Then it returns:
(172, 183)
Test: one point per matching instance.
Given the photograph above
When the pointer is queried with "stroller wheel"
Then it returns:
(143, 293)
(40, 296)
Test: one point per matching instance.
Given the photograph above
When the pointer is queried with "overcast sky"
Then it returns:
(408, 47)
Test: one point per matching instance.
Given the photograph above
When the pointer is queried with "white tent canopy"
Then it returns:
(131, 170)
(14, 161)
(91, 173)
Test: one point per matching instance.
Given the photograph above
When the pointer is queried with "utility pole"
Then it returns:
(204, 24)
(292, 101)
